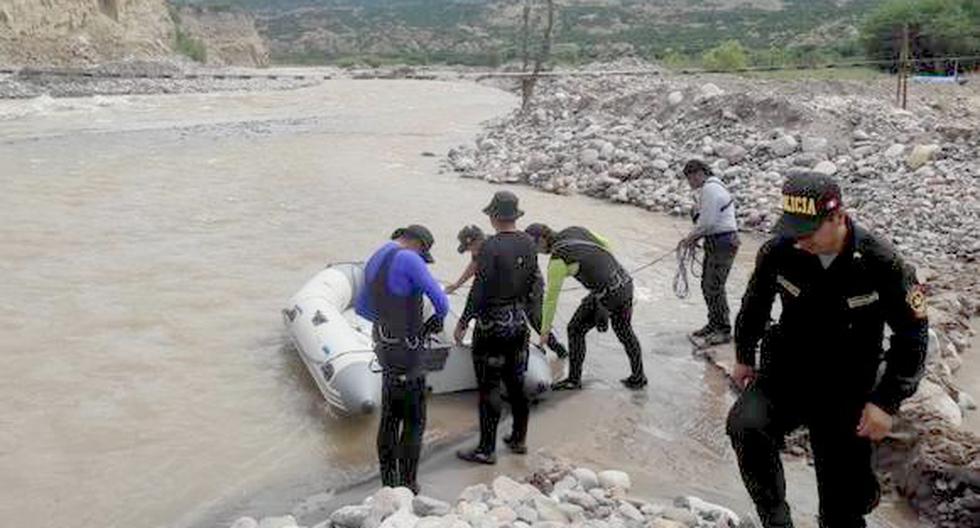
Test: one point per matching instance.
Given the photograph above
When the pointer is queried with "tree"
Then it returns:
(937, 28)
(727, 56)
(528, 82)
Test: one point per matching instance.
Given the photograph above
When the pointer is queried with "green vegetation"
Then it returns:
(727, 56)
(184, 43)
(936, 28)
(805, 33)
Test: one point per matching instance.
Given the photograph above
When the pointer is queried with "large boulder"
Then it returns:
(350, 516)
(426, 506)
(783, 146)
(827, 168)
(710, 90)
(815, 145)
(733, 153)
(921, 155)
(612, 479)
(586, 478)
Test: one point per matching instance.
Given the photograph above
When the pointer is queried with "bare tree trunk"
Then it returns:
(528, 83)
(526, 35)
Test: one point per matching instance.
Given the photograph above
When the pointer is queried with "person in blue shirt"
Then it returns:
(396, 278)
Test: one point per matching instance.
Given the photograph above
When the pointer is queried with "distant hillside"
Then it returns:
(485, 31)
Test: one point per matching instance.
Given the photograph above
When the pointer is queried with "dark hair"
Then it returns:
(696, 165)
(541, 232)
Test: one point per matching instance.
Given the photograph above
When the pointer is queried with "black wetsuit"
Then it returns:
(399, 347)
(506, 289)
(820, 366)
(610, 297)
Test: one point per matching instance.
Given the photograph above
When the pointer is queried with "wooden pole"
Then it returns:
(906, 70)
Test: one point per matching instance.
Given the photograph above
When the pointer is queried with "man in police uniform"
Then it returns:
(821, 364)
(506, 289)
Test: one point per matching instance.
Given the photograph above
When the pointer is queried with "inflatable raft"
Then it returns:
(335, 345)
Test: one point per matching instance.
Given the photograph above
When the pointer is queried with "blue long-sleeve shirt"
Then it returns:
(407, 276)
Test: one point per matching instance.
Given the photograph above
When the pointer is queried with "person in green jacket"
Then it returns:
(583, 254)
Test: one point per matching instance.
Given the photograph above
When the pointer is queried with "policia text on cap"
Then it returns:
(823, 364)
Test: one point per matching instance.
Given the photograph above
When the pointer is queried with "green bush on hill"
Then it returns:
(727, 56)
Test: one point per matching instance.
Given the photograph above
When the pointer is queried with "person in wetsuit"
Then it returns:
(471, 238)
(581, 253)
(821, 365)
(396, 278)
(507, 288)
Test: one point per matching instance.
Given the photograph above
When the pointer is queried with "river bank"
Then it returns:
(910, 175)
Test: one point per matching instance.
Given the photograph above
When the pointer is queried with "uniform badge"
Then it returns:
(917, 301)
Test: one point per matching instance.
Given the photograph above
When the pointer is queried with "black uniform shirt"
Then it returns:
(832, 322)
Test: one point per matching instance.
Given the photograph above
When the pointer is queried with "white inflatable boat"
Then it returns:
(335, 345)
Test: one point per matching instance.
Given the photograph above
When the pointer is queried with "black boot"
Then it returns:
(516, 446)
(477, 456)
(634, 382)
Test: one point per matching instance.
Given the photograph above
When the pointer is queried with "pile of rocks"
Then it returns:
(553, 497)
(913, 176)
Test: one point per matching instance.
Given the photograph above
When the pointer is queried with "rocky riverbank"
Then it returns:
(912, 175)
(554, 495)
(148, 78)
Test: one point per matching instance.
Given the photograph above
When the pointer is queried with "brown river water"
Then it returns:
(148, 243)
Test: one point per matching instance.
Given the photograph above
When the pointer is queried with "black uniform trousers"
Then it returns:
(619, 306)
(500, 360)
(758, 423)
(719, 255)
(401, 429)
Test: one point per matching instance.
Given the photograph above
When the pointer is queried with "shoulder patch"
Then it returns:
(917, 301)
(793, 289)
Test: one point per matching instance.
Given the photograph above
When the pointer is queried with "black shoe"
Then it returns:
(704, 331)
(519, 448)
(477, 456)
(567, 384)
(718, 337)
(634, 382)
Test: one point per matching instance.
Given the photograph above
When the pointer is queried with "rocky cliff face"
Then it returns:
(229, 36)
(65, 32)
(80, 32)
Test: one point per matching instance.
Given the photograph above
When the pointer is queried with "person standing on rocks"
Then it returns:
(715, 225)
(582, 254)
(397, 278)
(839, 285)
(507, 286)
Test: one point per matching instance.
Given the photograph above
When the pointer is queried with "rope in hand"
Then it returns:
(689, 260)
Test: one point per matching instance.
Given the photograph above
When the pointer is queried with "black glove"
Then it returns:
(557, 347)
(432, 326)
